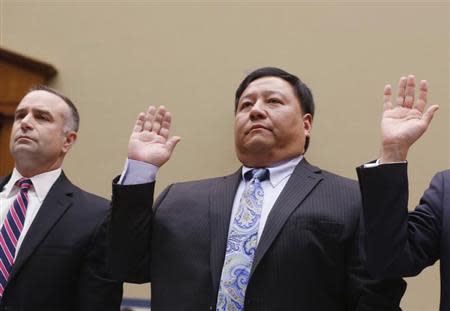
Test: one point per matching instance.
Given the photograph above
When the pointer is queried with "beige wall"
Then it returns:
(116, 57)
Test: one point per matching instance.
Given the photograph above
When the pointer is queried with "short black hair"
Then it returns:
(301, 90)
(72, 124)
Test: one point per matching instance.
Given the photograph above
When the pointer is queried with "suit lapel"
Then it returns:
(302, 181)
(57, 201)
(221, 205)
(3, 182)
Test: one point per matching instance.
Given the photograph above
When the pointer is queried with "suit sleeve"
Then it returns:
(130, 232)
(395, 242)
(97, 290)
(365, 293)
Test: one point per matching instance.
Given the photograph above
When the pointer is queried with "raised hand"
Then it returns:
(403, 123)
(150, 141)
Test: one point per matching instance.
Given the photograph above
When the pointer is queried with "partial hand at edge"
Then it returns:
(403, 123)
(150, 141)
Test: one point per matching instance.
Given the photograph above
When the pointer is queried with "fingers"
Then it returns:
(406, 93)
(409, 91)
(149, 117)
(152, 120)
(139, 122)
(401, 91)
(423, 92)
(387, 97)
(158, 119)
(405, 97)
(165, 125)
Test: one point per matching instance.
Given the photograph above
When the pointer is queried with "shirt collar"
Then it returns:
(41, 183)
(279, 171)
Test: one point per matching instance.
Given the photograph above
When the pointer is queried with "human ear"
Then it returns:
(70, 138)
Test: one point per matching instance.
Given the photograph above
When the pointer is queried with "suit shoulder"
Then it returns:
(328, 177)
(90, 199)
(340, 180)
(201, 183)
(444, 175)
(343, 189)
(196, 189)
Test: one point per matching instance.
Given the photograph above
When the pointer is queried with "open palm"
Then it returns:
(150, 141)
(403, 123)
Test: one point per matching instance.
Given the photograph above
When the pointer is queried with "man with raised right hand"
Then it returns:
(397, 242)
(277, 234)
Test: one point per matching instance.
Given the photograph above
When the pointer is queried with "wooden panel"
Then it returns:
(6, 161)
(8, 108)
(15, 82)
(18, 74)
(42, 69)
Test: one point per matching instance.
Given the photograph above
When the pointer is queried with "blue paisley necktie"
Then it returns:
(241, 245)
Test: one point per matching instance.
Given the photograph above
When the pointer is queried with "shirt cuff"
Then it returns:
(377, 163)
(138, 172)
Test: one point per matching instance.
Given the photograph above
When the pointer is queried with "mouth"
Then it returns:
(24, 138)
(257, 127)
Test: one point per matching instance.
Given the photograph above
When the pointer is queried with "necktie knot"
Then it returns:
(25, 184)
(260, 174)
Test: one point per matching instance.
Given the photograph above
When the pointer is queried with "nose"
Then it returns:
(257, 111)
(26, 122)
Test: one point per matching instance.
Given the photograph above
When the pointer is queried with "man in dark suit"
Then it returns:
(52, 256)
(278, 234)
(398, 243)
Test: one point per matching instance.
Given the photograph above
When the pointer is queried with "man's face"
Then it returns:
(269, 124)
(38, 131)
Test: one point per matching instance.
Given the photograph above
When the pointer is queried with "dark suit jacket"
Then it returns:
(398, 243)
(60, 264)
(306, 259)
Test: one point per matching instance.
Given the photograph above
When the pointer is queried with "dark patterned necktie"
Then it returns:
(241, 245)
(10, 232)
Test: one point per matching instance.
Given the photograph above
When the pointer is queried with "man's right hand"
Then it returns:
(403, 123)
(150, 141)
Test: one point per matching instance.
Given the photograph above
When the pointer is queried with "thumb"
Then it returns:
(172, 142)
(428, 115)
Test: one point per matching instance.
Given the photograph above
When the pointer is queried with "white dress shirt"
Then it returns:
(272, 187)
(137, 172)
(36, 195)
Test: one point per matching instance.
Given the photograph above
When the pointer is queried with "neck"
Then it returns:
(30, 171)
(260, 160)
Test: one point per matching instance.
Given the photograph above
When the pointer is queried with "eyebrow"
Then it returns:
(34, 110)
(265, 93)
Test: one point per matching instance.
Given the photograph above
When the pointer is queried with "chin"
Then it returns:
(259, 142)
(16, 150)
(258, 147)
(253, 152)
